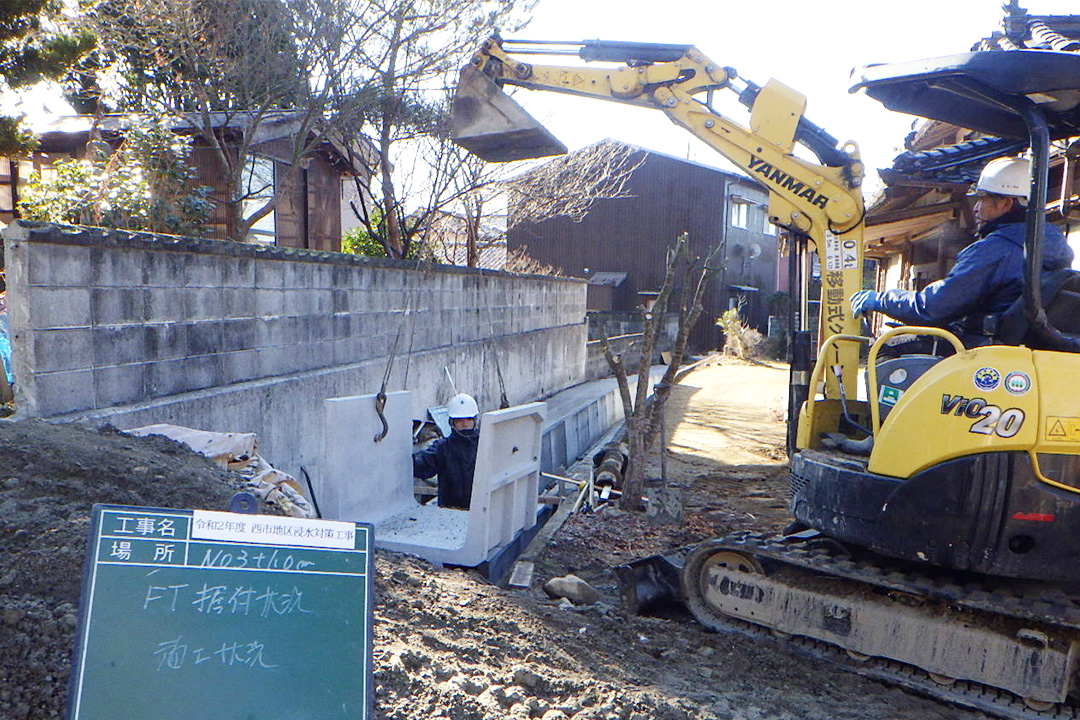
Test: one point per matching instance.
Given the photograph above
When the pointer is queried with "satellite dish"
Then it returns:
(754, 251)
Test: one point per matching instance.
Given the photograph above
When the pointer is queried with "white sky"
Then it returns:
(809, 45)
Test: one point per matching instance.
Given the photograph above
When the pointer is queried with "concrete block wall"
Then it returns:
(135, 329)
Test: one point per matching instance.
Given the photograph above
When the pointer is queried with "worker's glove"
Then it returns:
(864, 302)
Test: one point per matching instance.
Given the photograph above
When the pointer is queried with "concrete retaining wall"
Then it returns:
(135, 329)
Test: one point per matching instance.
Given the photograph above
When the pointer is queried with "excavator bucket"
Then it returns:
(491, 125)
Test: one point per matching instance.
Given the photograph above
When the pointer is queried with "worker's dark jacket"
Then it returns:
(453, 459)
(986, 279)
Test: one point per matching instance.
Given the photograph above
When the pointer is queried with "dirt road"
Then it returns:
(448, 644)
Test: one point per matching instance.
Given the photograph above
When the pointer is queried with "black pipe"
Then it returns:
(798, 354)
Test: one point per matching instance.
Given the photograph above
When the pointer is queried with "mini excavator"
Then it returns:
(936, 541)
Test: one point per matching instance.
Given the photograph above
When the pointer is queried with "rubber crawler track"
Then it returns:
(1028, 601)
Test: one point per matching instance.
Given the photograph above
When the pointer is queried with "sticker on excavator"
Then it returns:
(1062, 429)
(840, 253)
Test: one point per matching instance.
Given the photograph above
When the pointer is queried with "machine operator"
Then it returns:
(987, 277)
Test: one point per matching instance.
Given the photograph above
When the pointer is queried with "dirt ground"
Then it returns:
(447, 643)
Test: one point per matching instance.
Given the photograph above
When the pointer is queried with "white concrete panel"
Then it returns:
(362, 480)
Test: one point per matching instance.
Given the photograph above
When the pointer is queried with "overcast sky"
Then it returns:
(811, 46)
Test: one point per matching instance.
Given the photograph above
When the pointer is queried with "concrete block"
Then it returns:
(119, 345)
(322, 276)
(237, 302)
(270, 274)
(238, 272)
(165, 305)
(120, 384)
(339, 301)
(116, 267)
(269, 332)
(203, 271)
(62, 349)
(202, 372)
(361, 478)
(166, 377)
(269, 303)
(239, 366)
(339, 325)
(274, 361)
(239, 334)
(205, 338)
(163, 269)
(117, 306)
(56, 307)
(165, 341)
(320, 327)
(59, 265)
(202, 303)
(63, 392)
(299, 275)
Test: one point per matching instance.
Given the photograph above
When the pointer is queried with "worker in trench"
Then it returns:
(453, 458)
(988, 274)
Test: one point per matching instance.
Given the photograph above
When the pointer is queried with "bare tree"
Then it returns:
(569, 186)
(413, 46)
(643, 413)
(234, 69)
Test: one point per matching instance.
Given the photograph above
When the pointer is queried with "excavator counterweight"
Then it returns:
(491, 125)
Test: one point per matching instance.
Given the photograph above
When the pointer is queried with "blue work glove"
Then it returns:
(864, 302)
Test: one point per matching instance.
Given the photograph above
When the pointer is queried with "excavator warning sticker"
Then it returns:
(1062, 429)
(840, 253)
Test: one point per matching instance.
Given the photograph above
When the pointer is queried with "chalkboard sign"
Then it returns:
(198, 615)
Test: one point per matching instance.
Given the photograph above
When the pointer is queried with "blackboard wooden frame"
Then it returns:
(197, 615)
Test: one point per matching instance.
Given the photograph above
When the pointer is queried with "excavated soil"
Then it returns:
(448, 644)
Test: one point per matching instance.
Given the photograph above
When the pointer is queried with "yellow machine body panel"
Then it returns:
(981, 400)
(1059, 399)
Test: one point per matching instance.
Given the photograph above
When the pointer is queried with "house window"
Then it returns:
(767, 228)
(259, 189)
(739, 211)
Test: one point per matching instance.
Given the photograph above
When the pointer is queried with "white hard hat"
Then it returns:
(1009, 176)
(462, 406)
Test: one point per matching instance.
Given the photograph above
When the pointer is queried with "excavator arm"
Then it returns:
(821, 200)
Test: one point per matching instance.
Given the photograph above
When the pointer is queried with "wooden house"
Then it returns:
(313, 214)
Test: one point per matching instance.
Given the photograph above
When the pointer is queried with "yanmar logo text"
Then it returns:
(781, 179)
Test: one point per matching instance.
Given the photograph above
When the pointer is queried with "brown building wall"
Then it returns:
(633, 234)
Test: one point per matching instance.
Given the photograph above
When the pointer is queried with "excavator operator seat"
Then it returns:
(1061, 298)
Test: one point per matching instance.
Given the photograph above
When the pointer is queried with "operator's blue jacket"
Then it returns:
(987, 278)
(453, 459)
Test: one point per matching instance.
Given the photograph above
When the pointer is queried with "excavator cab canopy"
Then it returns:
(983, 91)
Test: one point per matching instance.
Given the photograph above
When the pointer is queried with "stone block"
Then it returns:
(57, 307)
(62, 349)
(58, 265)
(119, 345)
(117, 306)
(120, 384)
(62, 392)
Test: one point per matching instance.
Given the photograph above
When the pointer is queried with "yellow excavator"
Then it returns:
(936, 540)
